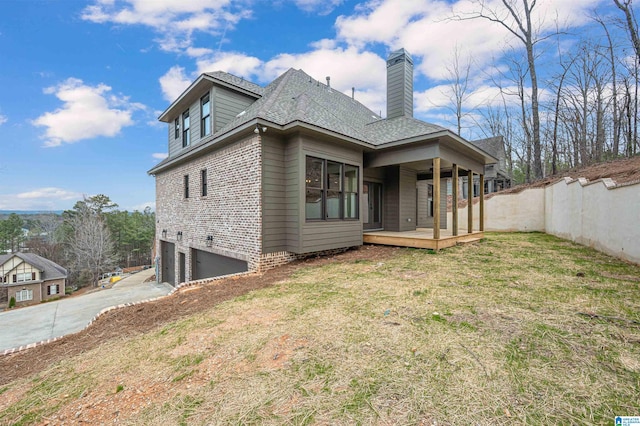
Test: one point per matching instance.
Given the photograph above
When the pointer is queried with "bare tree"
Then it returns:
(516, 18)
(459, 77)
(631, 23)
(614, 87)
(91, 245)
(46, 240)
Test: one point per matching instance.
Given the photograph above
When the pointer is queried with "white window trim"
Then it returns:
(24, 295)
(20, 277)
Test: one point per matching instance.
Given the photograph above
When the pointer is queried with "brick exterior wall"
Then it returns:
(39, 291)
(35, 288)
(231, 212)
(61, 287)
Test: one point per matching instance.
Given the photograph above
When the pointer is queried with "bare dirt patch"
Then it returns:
(621, 171)
(135, 320)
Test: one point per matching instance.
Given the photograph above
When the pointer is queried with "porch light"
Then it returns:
(164, 233)
(209, 240)
(179, 236)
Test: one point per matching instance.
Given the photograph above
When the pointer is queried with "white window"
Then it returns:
(24, 295)
(22, 277)
(53, 289)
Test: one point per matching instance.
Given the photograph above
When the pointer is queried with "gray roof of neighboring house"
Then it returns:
(51, 269)
(493, 146)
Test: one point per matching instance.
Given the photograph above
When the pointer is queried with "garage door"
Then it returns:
(168, 262)
(208, 265)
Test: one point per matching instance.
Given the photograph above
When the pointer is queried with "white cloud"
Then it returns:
(142, 206)
(159, 155)
(231, 62)
(322, 7)
(3, 119)
(50, 192)
(425, 28)
(379, 21)
(174, 82)
(39, 199)
(87, 112)
(348, 67)
(174, 20)
(196, 52)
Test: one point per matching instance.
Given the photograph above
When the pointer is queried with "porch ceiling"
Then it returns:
(419, 156)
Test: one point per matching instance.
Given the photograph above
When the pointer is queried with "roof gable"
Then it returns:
(205, 82)
(50, 269)
(493, 146)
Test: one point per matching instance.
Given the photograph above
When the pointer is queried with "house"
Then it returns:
(30, 278)
(496, 176)
(259, 176)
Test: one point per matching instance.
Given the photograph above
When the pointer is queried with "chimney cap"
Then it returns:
(399, 55)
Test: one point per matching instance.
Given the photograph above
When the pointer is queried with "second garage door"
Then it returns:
(208, 265)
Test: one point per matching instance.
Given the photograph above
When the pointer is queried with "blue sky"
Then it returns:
(83, 82)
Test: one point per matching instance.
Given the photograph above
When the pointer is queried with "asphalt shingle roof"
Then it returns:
(295, 97)
(492, 146)
(51, 269)
(236, 81)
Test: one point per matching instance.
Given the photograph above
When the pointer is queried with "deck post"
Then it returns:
(454, 201)
(436, 198)
(470, 201)
(481, 227)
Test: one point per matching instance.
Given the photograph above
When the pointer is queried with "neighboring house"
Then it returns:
(259, 176)
(30, 278)
(496, 176)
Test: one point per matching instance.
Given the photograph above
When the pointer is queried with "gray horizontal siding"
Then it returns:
(175, 144)
(408, 179)
(320, 236)
(326, 235)
(228, 105)
(443, 203)
(294, 178)
(225, 106)
(274, 197)
(424, 220)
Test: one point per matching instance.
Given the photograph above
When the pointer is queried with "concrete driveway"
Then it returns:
(49, 320)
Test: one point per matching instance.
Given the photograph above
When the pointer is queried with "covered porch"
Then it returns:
(405, 193)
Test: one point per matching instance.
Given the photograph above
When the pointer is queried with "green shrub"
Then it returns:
(12, 302)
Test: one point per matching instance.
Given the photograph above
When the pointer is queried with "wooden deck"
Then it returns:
(421, 238)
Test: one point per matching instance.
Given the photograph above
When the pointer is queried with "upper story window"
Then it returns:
(22, 277)
(186, 186)
(176, 127)
(186, 139)
(331, 190)
(203, 182)
(205, 113)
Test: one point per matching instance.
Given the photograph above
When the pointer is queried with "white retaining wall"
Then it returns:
(599, 214)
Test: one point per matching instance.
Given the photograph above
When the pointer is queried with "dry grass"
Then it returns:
(484, 334)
